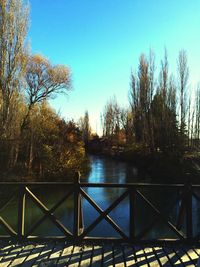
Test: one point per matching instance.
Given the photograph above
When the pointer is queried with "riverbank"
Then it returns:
(165, 168)
(82, 164)
(156, 167)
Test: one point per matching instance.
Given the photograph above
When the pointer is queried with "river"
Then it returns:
(103, 170)
(107, 170)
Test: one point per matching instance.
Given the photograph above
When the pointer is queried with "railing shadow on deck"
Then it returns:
(182, 226)
(62, 254)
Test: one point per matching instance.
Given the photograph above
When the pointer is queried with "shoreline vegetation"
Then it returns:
(155, 167)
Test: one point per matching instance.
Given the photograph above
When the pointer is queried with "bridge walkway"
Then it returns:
(60, 253)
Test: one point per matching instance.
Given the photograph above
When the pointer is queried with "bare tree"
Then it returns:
(111, 119)
(44, 81)
(141, 95)
(126, 121)
(183, 74)
(84, 124)
(13, 30)
(197, 115)
(164, 75)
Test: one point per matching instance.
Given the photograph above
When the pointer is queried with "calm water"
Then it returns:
(102, 170)
(106, 170)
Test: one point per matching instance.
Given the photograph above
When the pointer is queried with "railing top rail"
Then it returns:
(106, 185)
(129, 185)
(36, 183)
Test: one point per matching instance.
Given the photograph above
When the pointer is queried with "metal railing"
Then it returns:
(131, 192)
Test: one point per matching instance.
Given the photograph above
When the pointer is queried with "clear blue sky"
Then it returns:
(101, 40)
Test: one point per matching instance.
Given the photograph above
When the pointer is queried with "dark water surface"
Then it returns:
(103, 170)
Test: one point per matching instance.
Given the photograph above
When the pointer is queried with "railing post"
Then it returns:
(21, 211)
(78, 214)
(131, 213)
(189, 225)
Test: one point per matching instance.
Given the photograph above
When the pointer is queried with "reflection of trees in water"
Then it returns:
(114, 171)
(132, 175)
(49, 195)
(162, 199)
(196, 212)
(107, 170)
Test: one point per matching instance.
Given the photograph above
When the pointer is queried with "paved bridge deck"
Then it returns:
(65, 254)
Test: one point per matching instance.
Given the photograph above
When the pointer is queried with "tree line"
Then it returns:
(163, 113)
(34, 140)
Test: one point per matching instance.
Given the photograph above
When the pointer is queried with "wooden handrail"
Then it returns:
(78, 190)
(84, 184)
